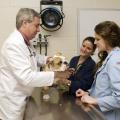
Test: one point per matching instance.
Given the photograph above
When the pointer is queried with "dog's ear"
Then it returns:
(49, 60)
(50, 64)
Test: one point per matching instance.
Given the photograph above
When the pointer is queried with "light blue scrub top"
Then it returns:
(106, 86)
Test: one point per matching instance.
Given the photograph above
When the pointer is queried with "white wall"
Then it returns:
(65, 39)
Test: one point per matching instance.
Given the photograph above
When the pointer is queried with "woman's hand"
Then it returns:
(88, 99)
(80, 93)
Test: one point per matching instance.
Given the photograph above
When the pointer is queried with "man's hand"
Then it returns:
(64, 74)
(65, 82)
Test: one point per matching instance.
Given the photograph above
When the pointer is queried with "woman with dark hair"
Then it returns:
(105, 91)
(84, 67)
(101, 55)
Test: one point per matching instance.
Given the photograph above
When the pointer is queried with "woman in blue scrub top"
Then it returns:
(105, 90)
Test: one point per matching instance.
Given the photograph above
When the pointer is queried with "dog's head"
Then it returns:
(56, 63)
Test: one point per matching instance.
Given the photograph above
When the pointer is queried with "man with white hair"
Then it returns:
(18, 68)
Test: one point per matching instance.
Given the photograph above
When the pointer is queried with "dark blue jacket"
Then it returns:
(84, 74)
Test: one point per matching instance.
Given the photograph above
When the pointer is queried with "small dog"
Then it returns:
(56, 63)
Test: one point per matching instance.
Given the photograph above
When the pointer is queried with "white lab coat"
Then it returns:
(19, 76)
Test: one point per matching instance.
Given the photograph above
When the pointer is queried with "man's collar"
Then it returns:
(27, 42)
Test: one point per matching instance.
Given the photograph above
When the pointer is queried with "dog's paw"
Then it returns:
(46, 97)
